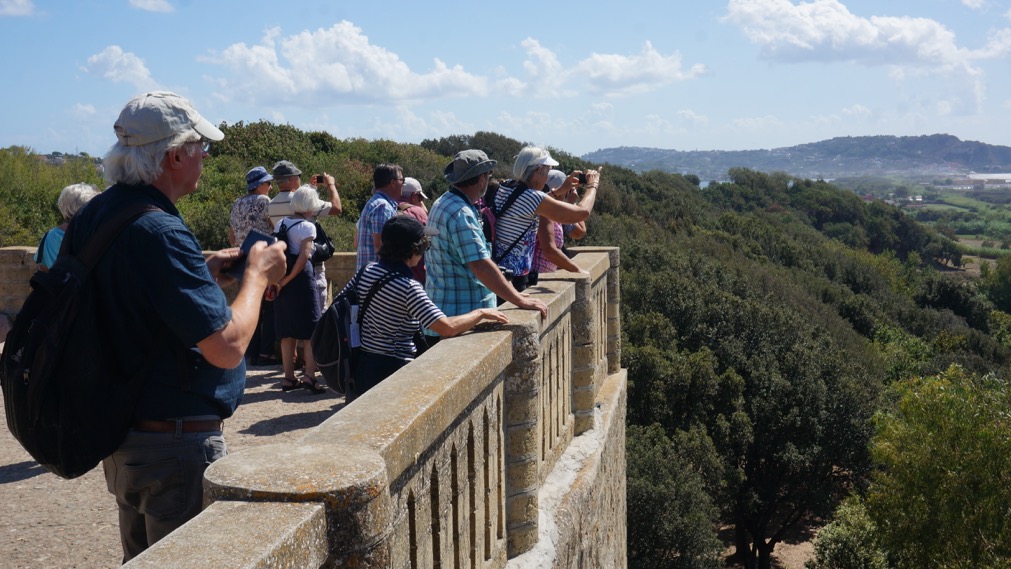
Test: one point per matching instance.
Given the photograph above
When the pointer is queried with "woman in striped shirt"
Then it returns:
(400, 307)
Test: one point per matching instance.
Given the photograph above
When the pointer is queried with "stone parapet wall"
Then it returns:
(583, 499)
(502, 447)
(17, 265)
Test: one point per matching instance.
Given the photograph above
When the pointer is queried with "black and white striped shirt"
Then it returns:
(395, 313)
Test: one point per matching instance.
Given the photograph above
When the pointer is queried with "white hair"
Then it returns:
(135, 165)
(306, 200)
(521, 167)
(73, 197)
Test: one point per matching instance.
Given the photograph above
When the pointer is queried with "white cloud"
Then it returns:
(758, 123)
(339, 65)
(405, 124)
(654, 125)
(856, 111)
(607, 74)
(614, 74)
(825, 30)
(334, 65)
(118, 66)
(152, 5)
(83, 111)
(546, 76)
(975, 4)
(690, 117)
(17, 7)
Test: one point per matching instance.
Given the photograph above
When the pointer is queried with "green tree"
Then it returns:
(850, 541)
(29, 187)
(940, 495)
(723, 343)
(996, 281)
(671, 517)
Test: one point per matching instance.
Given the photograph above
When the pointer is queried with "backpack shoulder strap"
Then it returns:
(100, 241)
(282, 233)
(352, 294)
(284, 228)
(388, 277)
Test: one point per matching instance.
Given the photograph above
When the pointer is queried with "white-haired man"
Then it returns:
(172, 326)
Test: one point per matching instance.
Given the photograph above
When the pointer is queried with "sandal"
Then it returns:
(314, 386)
(290, 385)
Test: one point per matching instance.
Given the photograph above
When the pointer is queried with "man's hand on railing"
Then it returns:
(527, 303)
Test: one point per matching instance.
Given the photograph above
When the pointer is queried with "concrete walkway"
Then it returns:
(51, 522)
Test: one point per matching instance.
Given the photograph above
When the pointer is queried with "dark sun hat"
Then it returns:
(468, 164)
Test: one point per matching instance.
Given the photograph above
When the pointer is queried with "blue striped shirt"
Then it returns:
(376, 212)
(518, 224)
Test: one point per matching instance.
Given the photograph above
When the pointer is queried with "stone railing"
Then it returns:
(502, 447)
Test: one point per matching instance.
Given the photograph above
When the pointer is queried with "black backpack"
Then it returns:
(334, 345)
(65, 402)
(323, 247)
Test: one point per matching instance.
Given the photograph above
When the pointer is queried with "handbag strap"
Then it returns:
(515, 195)
(515, 242)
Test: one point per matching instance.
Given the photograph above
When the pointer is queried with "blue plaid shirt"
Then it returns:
(377, 211)
(450, 283)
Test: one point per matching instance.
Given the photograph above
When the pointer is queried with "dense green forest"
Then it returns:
(797, 357)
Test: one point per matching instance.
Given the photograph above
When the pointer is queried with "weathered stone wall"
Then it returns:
(17, 264)
(500, 448)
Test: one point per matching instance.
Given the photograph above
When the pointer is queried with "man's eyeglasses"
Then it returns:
(204, 143)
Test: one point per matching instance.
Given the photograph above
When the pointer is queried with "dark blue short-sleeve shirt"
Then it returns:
(158, 300)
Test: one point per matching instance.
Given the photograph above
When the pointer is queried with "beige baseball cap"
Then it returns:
(159, 115)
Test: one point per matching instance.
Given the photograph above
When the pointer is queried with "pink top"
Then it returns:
(541, 264)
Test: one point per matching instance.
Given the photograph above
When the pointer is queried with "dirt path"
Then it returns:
(51, 522)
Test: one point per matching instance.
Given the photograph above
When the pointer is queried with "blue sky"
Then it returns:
(578, 76)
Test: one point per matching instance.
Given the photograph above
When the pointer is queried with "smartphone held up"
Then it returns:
(239, 265)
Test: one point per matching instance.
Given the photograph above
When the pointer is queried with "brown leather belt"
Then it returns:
(150, 426)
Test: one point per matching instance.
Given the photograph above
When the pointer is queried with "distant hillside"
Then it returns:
(836, 158)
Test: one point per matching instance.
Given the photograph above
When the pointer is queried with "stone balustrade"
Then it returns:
(503, 447)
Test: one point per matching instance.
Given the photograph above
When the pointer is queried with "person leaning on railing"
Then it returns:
(400, 306)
